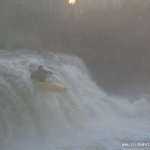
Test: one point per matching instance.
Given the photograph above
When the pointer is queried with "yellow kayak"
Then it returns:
(49, 86)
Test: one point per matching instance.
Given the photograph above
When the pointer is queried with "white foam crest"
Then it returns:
(83, 118)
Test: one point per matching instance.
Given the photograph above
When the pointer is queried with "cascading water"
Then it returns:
(83, 118)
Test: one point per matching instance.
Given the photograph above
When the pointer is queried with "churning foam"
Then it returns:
(83, 118)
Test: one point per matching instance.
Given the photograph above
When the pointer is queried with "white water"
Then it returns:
(83, 118)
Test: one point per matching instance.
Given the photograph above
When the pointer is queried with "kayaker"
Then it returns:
(40, 74)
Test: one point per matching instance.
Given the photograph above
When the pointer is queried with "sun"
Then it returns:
(72, 2)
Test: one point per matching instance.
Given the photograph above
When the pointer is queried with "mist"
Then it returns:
(112, 36)
(98, 51)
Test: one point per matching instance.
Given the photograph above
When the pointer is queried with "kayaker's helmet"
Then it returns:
(40, 67)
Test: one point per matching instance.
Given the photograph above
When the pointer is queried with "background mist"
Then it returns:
(112, 36)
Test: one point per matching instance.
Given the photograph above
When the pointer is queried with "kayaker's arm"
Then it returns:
(49, 72)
